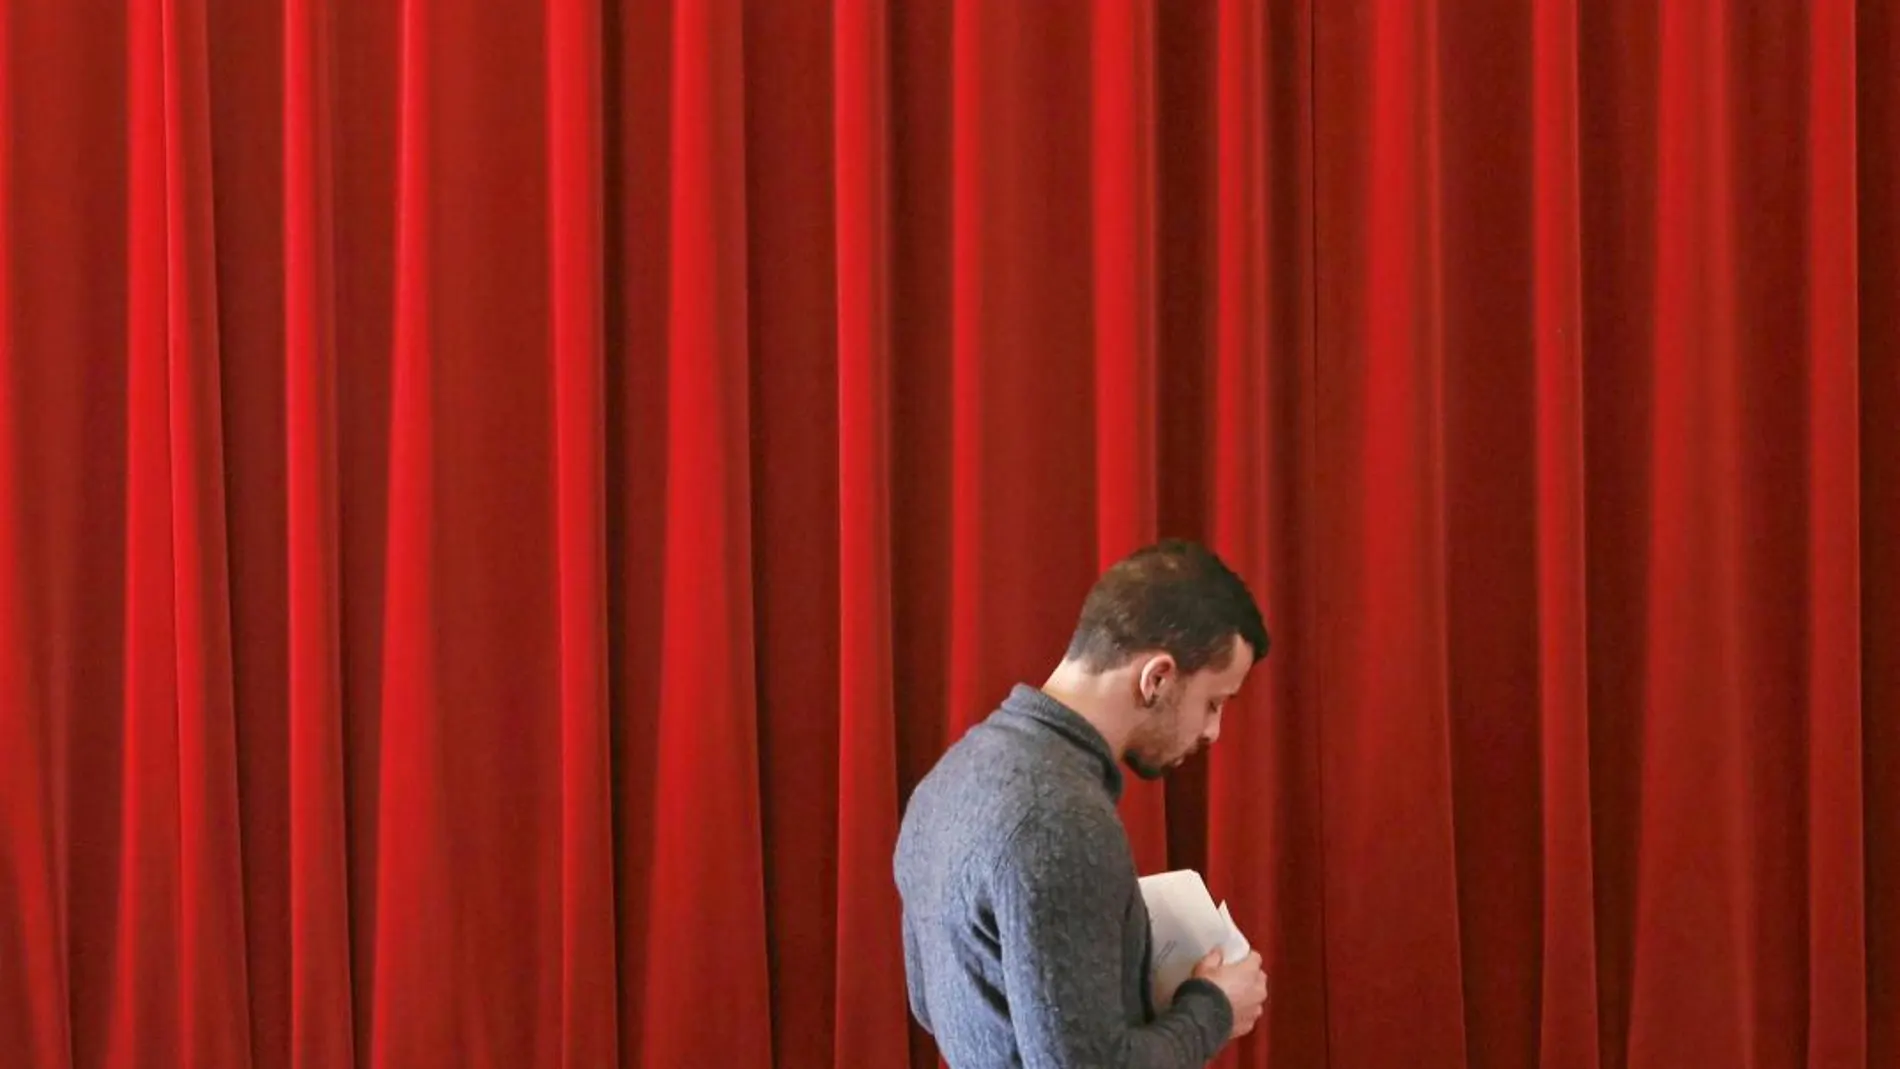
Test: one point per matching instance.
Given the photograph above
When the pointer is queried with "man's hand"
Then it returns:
(1244, 984)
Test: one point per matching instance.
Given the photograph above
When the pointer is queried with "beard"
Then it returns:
(1141, 767)
(1147, 753)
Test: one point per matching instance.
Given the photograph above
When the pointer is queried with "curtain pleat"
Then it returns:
(321, 1023)
(868, 1010)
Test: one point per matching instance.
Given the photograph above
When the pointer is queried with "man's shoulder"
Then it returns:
(989, 787)
(986, 759)
(1053, 816)
(1029, 782)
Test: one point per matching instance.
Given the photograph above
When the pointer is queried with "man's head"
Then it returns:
(1172, 632)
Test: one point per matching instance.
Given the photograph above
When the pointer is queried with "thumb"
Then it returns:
(1213, 959)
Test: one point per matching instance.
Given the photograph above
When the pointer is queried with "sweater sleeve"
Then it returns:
(1059, 901)
(914, 978)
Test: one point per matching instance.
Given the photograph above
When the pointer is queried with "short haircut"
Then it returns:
(1176, 597)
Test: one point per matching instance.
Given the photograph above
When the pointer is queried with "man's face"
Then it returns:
(1186, 715)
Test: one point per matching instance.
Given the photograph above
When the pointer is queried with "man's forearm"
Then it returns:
(1067, 1018)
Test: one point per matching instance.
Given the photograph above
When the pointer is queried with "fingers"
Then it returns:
(1252, 1006)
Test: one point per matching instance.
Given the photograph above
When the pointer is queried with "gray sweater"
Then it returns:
(1026, 940)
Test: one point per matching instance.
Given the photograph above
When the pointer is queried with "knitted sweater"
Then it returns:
(1026, 940)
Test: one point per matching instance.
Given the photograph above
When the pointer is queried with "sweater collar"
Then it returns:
(1034, 704)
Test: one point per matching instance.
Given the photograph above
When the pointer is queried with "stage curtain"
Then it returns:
(500, 500)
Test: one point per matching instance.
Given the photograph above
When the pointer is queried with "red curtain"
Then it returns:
(499, 501)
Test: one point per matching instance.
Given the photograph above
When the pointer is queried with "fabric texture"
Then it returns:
(500, 502)
(1026, 940)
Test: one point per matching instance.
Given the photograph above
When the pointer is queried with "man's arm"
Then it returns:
(1060, 893)
(914, 978)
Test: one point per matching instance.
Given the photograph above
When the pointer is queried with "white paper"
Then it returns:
(1236, 946)
(1186, 926)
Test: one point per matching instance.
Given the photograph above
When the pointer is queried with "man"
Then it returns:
(1026, 940)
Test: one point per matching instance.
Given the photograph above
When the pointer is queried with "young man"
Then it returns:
(1026, 941)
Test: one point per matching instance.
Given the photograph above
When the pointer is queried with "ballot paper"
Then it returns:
(1186, 927)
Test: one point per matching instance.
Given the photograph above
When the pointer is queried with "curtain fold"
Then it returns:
(499, 504)
(868, 1011)
(1838, 981)
(179, 982)
(1566, 940)
(1876, 174)
(586, 1034)
(708, 891)
(321, 1024)
(1385, 620)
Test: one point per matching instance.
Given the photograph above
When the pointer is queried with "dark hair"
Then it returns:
(1175, 596)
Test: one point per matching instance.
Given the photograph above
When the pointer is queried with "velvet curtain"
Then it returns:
(500, 500)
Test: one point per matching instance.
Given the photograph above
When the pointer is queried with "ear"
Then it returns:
(1155, 672)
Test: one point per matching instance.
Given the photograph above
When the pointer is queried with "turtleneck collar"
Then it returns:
(1035, 704)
